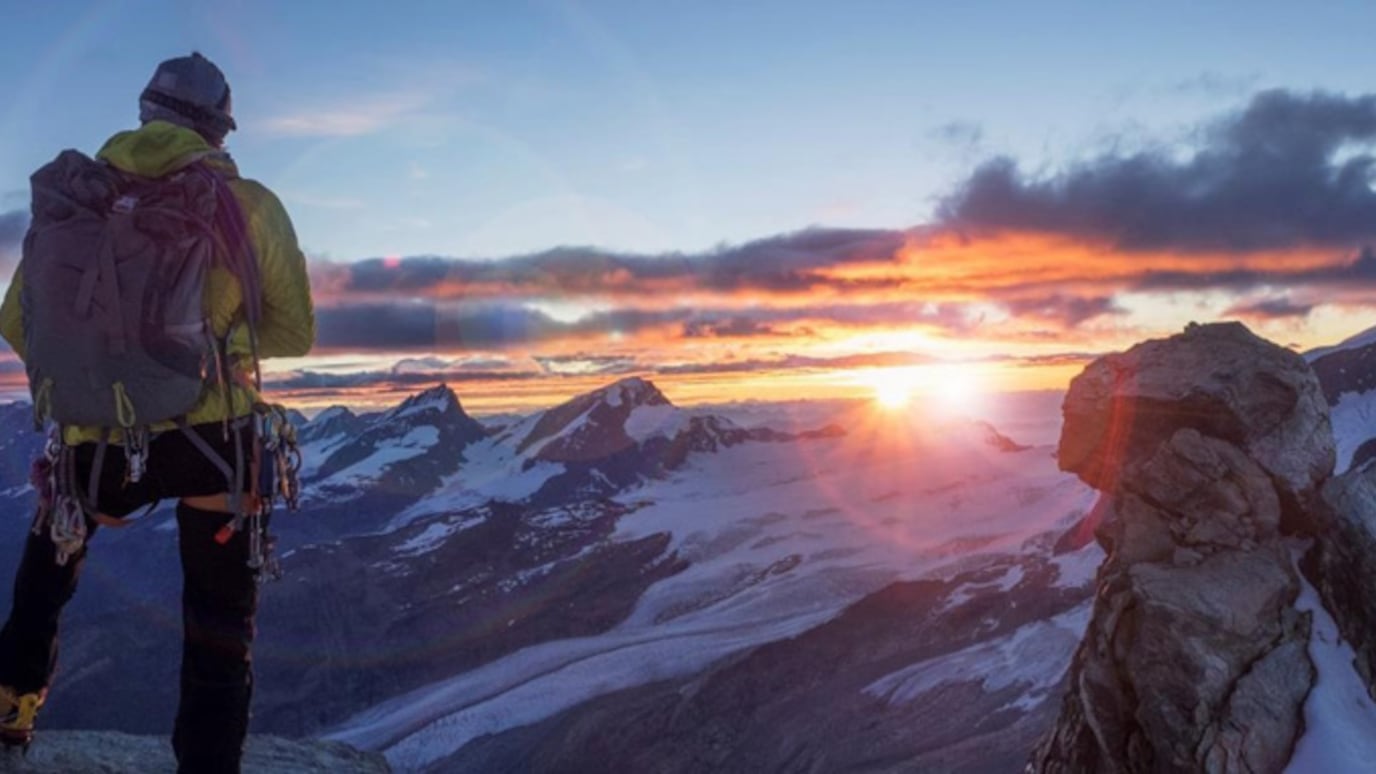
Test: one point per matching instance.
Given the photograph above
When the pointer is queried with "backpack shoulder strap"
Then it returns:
(241, 259)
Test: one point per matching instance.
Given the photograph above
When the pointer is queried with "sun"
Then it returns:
(894, 388)
(893, 395)
(948, 388)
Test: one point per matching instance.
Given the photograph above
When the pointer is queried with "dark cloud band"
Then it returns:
(428, 325)
(790, 262)
(1270, 309)
(1289, 170)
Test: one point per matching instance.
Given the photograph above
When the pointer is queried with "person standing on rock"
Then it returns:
(156, 270)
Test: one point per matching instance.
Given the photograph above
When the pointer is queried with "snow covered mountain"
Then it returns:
(590, 447)
(617, 582)
(748, 536)
(441, 575)
(1347, 372)
(351, 457)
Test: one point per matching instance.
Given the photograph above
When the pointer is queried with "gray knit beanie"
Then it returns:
(189, 91)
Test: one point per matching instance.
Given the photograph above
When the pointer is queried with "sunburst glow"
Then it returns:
(952, 388)
(893, 394)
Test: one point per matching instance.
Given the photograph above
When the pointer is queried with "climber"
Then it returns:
(186, 419)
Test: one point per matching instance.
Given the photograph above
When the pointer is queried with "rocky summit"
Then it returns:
(1219, 379)
(1195, 658)
(110, 752)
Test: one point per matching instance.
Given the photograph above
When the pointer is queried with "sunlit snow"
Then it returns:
(1033, 659)
(1339, 715)
(780, 537)
(1354, 422)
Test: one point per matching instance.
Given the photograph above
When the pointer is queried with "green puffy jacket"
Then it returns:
(288, 324)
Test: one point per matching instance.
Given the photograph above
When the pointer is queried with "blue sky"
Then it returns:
(489, 129)
(745, 198)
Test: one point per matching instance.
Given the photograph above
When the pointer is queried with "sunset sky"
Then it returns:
(755, 200)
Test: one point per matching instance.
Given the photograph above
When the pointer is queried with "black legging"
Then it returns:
(219, 596)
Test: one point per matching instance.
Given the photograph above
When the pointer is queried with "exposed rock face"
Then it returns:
(1195, 658)
(592, 426)
(435, 415)
(1219, 379)
(1342, 565)
(110, 752)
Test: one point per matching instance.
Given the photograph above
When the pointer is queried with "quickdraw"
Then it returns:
(278, 438)
(59, 511)
(136, 453)
(277, 466)
(68, 528)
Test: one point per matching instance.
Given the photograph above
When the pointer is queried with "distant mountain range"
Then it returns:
(617, 581)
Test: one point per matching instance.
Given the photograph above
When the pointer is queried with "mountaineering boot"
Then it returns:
(17, 714)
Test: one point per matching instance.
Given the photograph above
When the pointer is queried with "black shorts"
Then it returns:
(176, 468)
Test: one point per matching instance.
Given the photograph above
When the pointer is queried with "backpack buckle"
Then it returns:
(125, 204)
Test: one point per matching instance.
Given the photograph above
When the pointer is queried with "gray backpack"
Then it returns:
(118, 334)
(114, 267)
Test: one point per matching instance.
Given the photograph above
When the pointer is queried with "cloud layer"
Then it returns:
(797, 262)
(1270, 217)
(428, 325)
(1289, 170)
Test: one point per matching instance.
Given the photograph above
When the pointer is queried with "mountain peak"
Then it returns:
(441, 395)
(439, 399)
(333, 422)
(333, 413)
(633, 391)
(592, 423)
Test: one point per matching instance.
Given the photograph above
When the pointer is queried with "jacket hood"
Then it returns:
(160, 148)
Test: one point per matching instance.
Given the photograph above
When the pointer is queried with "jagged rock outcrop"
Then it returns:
(592, 426)
(1342, 563)
(1195, 658)
(1221, 380)
(110, 752)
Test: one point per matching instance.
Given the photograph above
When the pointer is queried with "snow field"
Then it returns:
(781, 537)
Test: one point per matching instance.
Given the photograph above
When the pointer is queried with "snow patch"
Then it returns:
(413, 444)
(1354, 422)
(1339, 715)
(628, 390)
(646, 422)
(968, 591)
(1078, 568)
(491, 471)
(438, 400)
(1033, 658)
(434, 535)
(314, 454)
